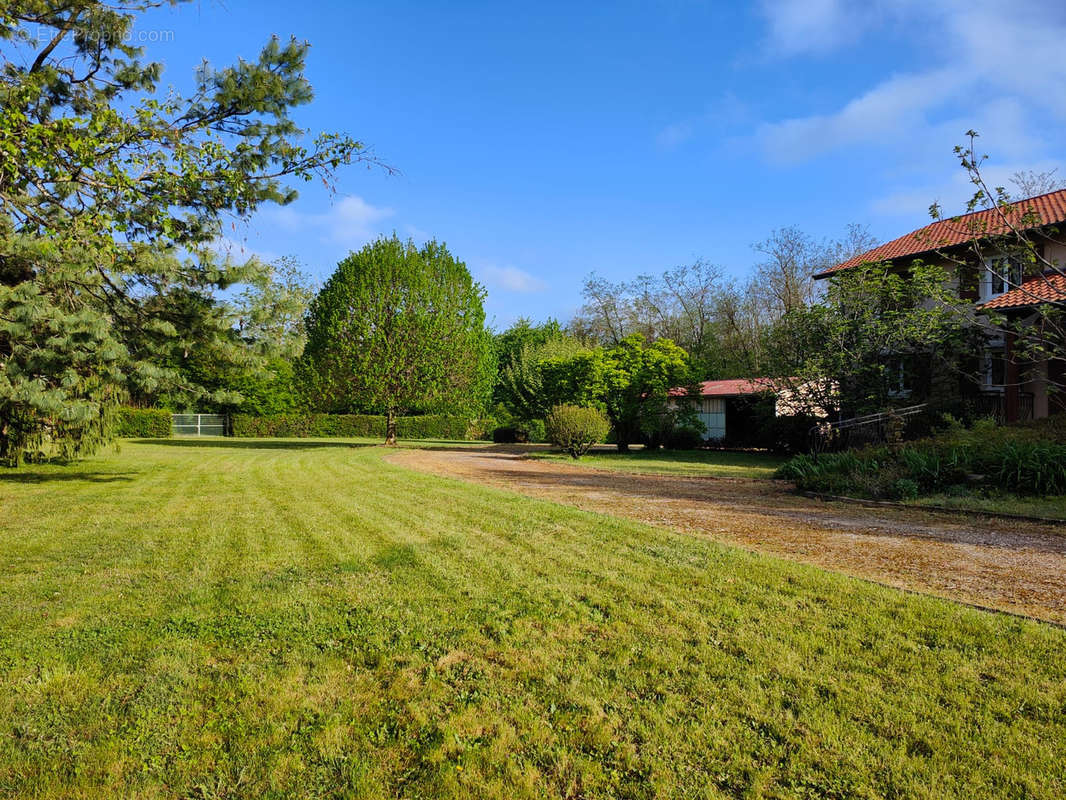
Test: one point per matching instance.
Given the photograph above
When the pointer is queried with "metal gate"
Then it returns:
(199, 424)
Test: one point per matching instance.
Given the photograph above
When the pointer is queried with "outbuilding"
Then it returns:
(724, 406)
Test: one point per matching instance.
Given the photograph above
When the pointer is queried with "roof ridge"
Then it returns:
(1053, 202)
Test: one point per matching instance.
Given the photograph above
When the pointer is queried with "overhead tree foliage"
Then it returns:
(851, 352)
(398, 328)
(111, 196)
(1013, 233)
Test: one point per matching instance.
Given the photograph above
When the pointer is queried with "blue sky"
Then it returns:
(546, 141)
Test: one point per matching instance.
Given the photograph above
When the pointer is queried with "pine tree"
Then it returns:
(112, 195)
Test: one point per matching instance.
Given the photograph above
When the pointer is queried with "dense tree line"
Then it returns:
(723, 323)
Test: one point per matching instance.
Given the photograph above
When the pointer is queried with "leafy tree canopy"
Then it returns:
(637, 380)
(843, 354)
(522, 334)
(398, 328)
(543, 372)
(630, 381)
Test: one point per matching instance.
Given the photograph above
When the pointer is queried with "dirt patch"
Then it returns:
(1012, 566)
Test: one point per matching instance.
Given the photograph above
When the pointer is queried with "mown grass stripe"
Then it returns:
(291, 621)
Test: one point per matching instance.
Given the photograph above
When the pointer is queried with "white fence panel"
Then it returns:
(198, 424)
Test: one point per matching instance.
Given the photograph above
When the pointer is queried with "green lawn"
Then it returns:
(707, 463)
(302, 619)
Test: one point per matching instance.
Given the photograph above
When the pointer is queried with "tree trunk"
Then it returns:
(390, 427)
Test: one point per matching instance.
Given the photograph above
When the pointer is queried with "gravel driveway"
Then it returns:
(1019, 567)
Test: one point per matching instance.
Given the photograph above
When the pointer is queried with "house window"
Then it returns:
(1000, 274)
(900, 377)
(995, 369)
(712, 415)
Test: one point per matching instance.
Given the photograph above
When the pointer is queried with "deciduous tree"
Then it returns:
(637, 380)
(844, 353)
(1012, 234)
(398, 328)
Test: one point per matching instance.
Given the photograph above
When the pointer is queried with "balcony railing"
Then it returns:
(994, 405)
(848, 434)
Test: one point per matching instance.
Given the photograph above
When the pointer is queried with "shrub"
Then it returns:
(520, 432)
(1008, 458)
(509, 434)
(576, 429)
(142, 423)
(905, 489)
(535, 431)
(1030, 468)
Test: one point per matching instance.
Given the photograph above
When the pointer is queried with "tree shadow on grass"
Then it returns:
(473, 447)
(49, 477)
(251, 444)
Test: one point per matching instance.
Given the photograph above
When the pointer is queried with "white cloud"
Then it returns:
(991, 66)
(673, 135)
(351, 220)
(812, 26)
(417, 233)
(240, 250)
(952, 193)
(881, 114)
(511, 279)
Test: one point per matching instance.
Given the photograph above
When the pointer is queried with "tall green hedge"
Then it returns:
(426, 426)
(142, 423)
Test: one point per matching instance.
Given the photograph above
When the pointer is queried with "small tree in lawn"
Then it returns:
(576, 429)
(396, 329)
(637, 381)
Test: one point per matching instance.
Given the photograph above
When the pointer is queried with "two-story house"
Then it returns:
(994, 283)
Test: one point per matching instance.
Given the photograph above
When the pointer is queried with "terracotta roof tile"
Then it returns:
(1043, 289)
(728, 388)
(1049, 208)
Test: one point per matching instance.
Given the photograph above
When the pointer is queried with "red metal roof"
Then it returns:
(729, 388)
(1050, 209)
(1043, 289)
